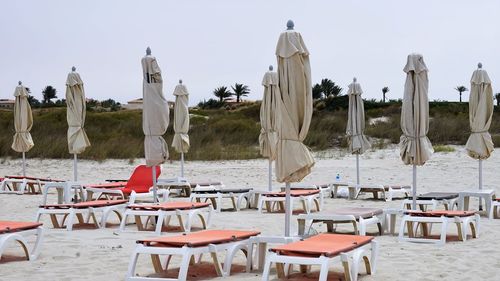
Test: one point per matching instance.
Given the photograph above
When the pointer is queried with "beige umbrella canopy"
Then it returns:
(155, 113)
(415, 147)
(358, 143)
(294, 111)
(268, 136)
(23, 121)
(75, 115)
(479, 145)
(181, 122)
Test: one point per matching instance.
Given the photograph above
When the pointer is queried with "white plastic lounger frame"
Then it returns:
(163, 218)
(305, 222)
(388, 191)
(21, 238)
(306, 200)
(23, 185)
(187, 253)
(219, 196)
(461, 222)
(72, 213)
(261, 243)
(350, 261)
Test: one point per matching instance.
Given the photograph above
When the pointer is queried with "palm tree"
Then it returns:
(385, 90)
(460, 90)
(317, 92)
(329, 88)
(497, 97)
(240, 90)
(222, 93)
(49, 93)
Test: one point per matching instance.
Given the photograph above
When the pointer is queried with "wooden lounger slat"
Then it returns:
(328, 245)
(201, 238)
(15, 226)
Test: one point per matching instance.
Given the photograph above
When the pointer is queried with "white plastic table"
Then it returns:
(63, 191)
(487, 194)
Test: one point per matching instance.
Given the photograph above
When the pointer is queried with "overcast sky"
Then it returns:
(214, 43)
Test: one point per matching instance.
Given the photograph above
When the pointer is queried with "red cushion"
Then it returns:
(85, 204)
(170, 206)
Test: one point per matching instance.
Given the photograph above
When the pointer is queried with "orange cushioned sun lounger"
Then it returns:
(16, 231)
(191, 245)
(321, 249)
(170, 206)
(185, 212)
(77, 210)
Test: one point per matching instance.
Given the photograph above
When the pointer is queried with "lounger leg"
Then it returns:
(181, 223)
(301, 226)
(230, 253)
(133, 262)
(462, 235)
(16, 238)
(345, 263)
(159, 222)
(71, 220)
(374, 256)
(218, 267)
(444, 228)
(123, 222)
(362, 226)
(267, 266)
(323, 274)
(183, 269)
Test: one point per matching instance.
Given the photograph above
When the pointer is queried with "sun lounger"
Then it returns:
(189, 246)
(77, 210)
(23, 184)
(447, 199)
(462, 219)
(307, 197)
(14, 231)
(323, 249)
(164, 211)
(388, 191)
(140, 181)
(359, 217)
(215, 195)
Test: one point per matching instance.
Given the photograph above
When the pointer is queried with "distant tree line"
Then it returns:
(224, 94)
(49, 99)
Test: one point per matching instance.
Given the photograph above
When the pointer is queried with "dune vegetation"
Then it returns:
(232, 132)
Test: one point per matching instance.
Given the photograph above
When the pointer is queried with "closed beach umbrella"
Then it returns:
(23, 121)
(358, 143)
(268, 136)
(75, 114)
(181, 122)
(415, 147)
(155, 115)
(479, 145)
(294, 111)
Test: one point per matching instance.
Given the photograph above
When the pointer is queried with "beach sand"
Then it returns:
(103, 254)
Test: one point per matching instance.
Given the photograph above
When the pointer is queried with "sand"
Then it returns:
(103, 254)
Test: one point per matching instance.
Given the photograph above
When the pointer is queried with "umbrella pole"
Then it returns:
(414, 191)
(357, 168)
(288, 210)
(270, 186)
(24, 164)
(75, 168)
(480, 182)
(155, 192)
(182, 164)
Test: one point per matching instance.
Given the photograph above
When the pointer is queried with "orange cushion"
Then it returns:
(293, 193)
(170, 206)
(441, 213)
(15, 226)
(200, 238)
(328, 245)
(85, 204)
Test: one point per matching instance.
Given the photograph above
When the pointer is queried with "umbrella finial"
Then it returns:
(148, 51)
(73, 68)
(290, 25)
(270, 68)
(354, 79)
(180, 81)
(20, 83)
(479, 65)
